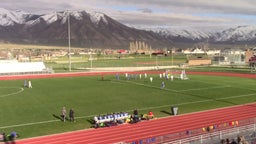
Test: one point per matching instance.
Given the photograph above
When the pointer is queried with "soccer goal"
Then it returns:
(177, 73)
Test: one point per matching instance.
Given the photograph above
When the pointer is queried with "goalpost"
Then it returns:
(177, 73)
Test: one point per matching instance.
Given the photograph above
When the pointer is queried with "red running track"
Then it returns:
(55, 75)
(146, 129)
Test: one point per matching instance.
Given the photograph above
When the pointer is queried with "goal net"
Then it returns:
(177, 73)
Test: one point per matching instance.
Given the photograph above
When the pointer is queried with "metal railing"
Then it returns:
(214, 135)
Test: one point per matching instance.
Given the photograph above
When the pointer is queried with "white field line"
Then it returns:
(116, 82)
(10, 94)
(206, 88)
(42, 122)
(156, 107)
(206, 82)
(132, 82)
(234, 86)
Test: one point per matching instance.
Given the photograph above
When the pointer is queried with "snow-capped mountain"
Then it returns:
(193, 33)
(9, 18)
(212, 34)
(88, 29)
(240, 33)
(12, 17)
(95, 29)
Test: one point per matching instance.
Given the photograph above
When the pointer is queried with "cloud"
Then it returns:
(178, 6)
(188, 12)
(151, 19)
(195, 6)
(145, 10)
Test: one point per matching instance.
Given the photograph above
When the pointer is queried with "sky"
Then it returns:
(152, 13)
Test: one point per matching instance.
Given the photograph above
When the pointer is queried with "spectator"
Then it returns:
(240, 139)
(188, 132)
(208, 129)
(144, 116)
(227, 141)
(127, 120)
(95, 120)
(135, 112)
(222, 141)
(13, 136)
(71, 115)
(150, 115)
(233, 141)
(135, 116)
(2, 136)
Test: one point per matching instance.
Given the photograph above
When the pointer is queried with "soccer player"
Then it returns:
(71, 115)
(25, 83)
(171, 77)
(151, 79)
(117, 76)
(29, 84)
(162, 85)
(63, 114)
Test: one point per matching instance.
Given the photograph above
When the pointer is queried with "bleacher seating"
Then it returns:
(14, 67)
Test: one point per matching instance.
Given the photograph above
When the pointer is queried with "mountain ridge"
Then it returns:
(88, 29)
(95, 29)
(233, 35)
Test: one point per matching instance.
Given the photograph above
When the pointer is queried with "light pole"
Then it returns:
(156, 62)
(91, 60)
(172, 57)
(69, 54)
(219, 57)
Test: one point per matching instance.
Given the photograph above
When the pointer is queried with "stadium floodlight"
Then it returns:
(69, 54)
(90, 59)
(172, 57)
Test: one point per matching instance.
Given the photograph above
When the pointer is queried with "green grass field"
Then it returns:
(80, 63)
(35, 112)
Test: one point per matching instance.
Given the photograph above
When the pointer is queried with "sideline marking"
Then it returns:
(14, 93)
(156, 107)
(112, 81)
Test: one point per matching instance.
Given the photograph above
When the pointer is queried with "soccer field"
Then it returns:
(36, 111)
